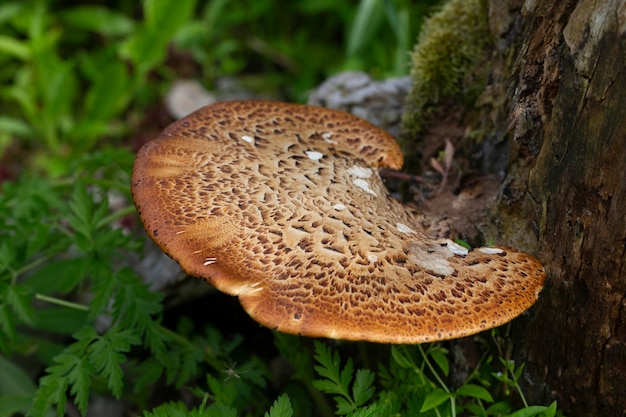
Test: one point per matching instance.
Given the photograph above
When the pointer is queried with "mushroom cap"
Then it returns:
(282, 205)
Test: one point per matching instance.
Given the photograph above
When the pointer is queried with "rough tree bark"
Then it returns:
(560, 69)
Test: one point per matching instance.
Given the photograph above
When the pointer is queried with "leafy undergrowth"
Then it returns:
(75, 77)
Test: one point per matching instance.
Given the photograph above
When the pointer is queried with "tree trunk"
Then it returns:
(560, 67)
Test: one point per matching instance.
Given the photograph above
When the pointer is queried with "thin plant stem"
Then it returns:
(510, 368)
(34, 264)
(118, 214)
(521, 394)
(60, 302)
(391, 173)
(440, 381)
(205, 399)
(453, 406)
(419, 371)
(433, 370)
(482, 407)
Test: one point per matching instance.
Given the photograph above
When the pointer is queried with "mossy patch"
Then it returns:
(445, 62)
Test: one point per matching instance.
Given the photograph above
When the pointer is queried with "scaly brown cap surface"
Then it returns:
(282, 205)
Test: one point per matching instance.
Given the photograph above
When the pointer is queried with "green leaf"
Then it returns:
(71, 370)
(7, 327)
(98, 19)
(52, 390)
(551, 411)
(337, 380)
(109, 92)
(43, 239)
(178, 409)
(499, 408)
(155, 339)
(134, 304)
(215, 410)
(188, 365)
(15, 126)
(13, 380)
(402, 21)
(536, 410)
(8, 254)
(368, 18)
(105, 282)
(106, 355)
(81, 219)
(475, 391)
(281, 407)
(373, 410)
(13, 47)
(14, 404)
(8, 11)
(61, 276)
(434, 398)
(291, 348)
(441, 359)
(363, 388)
(19, 299)
(148, 45)
(61, 320)
(344, 405)
(80, 376)
(146, 375)
(463, 243)
(518, 372)
(56, 82)
(404, 361)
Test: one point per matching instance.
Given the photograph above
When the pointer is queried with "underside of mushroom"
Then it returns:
(282, 205)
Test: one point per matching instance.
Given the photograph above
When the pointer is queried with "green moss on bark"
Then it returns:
(444, 63)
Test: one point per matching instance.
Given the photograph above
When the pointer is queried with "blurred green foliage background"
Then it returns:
(74, 78)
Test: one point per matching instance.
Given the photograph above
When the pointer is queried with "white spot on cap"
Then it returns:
(361, 175)
(328, 137)
(433, 263)
(339, 206)
(250, 289)
(364, 185)
(314, 155)
(360, 172)
(209, 261)
(248, 139)
(372, 258)
(403, 228)
(457, 249)
(490, 251)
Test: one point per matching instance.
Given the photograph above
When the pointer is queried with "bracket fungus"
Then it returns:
(282, 205)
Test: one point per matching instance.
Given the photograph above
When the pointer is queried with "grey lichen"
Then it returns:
(444, 62)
